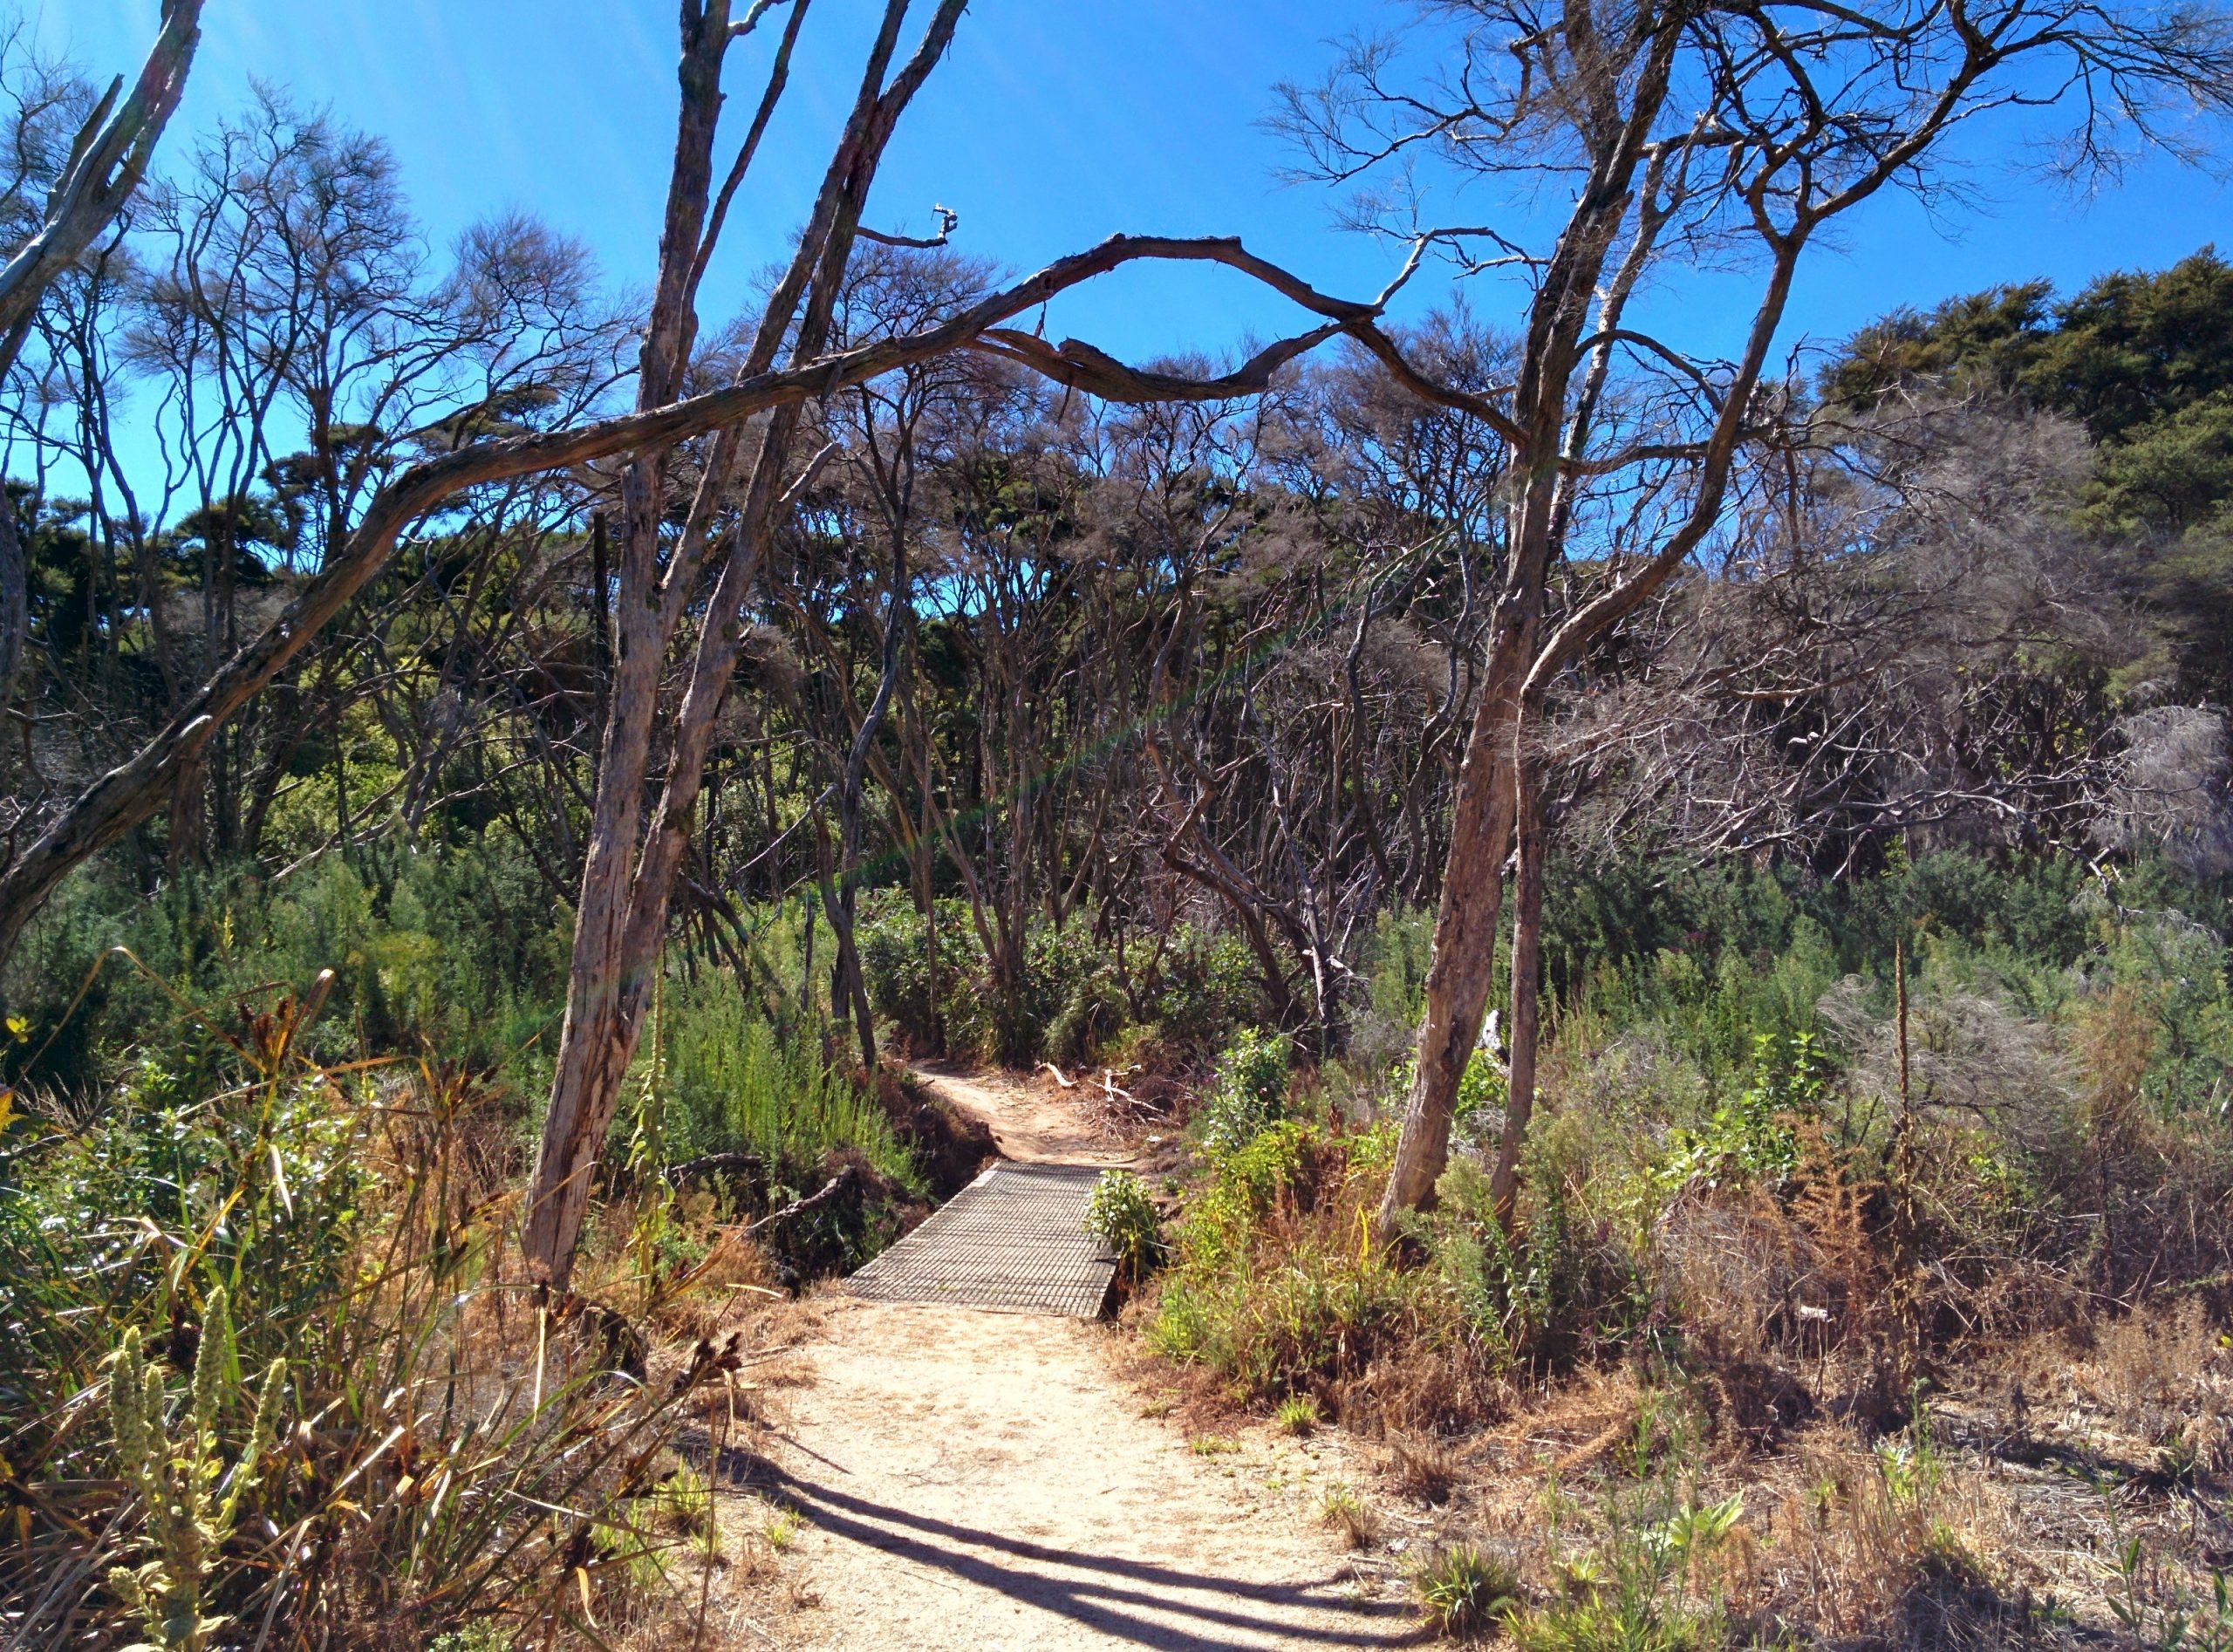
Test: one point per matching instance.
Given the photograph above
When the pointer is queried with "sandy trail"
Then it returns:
(976, 1482)
(1030, 1124)
(973, 1481)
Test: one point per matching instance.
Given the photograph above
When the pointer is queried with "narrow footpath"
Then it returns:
(965, 1479)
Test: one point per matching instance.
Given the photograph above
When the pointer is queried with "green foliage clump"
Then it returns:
(315, 1244)
(1248, 1092)
(1481, 1089)
(1571, 1288)
(1752, 1137)
(267, 1182)
(1465, 1592)
(459, 949)
(1069, 996)
(1123, 1217)
(736, 1083)
(1274, 1282)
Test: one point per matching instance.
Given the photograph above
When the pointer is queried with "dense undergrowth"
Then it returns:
(1072, 995)
(1728, 1212)
(270, 1370)
(270, 1378)
(1729, 1219)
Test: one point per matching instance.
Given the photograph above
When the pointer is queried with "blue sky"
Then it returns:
(1053, 123)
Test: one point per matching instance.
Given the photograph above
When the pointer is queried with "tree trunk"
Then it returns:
(848, 991)
(606, 991)
(1526, 987)
(15, 603)
(1465, 946)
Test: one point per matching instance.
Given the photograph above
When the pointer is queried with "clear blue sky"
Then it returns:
(1053, 123)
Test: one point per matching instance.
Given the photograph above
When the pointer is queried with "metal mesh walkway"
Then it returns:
(1014, 1239)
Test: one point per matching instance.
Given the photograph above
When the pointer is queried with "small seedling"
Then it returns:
(782, 1530)
(1297, 1416)
(1212, 1446)
(1341, 1507)
(1580, 1575)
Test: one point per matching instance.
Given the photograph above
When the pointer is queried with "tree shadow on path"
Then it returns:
(1098, 1600)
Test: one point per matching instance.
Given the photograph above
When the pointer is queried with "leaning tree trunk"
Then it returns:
(607, 989)
(626, 887)
(1464, 964)
(1526, 986)
(607, 986)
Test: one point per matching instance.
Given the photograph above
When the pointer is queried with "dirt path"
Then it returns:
(951, 1479)
(1031, 1124)
(977, 1481)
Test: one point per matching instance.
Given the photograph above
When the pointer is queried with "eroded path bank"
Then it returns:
(1033, 1123)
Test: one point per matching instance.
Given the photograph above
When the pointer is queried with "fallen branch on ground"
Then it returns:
(848, 1177)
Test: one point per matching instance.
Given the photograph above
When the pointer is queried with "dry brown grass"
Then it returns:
(1974, 1528)
(1853, 1541)
(2166, 1379)
(1421, 1467)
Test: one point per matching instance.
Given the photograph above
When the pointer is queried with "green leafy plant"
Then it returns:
(1751, 1138)
(334, 1236)
(1122, 1216)
(191, 1497)
(1246, 1097)
(1297, 1415)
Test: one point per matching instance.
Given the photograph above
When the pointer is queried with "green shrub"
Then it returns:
(1076, 996)
(1275, 1285)
(735, 1084)
(1123, 1217)
(458, 948)
(1480, 1091)
(1248, 1091)
(1752, 1137)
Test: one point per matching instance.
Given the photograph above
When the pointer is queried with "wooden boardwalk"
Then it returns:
(1013, 1239)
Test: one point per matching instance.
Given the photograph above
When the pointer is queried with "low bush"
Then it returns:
(1276, 1287)
(1466, 1593)
(458, 948)
(1248, 1092)
(1074, 995)
(1123, 1217)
